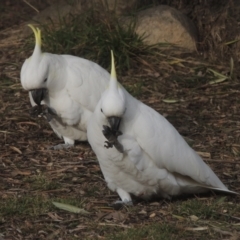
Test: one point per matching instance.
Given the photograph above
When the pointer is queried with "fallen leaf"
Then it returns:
(222, 231)
(142, 212)
(170, 100)
(70, 208)
(204, 154)
(215, 73)
(196, 228)
(16, 149)
(164, 213)
(178, 217)
(218, 80)
(55, 217)
(193, 218)
(152, 215)
(116, 215)
(16, 172)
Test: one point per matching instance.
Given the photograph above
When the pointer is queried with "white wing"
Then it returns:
(168, 150)
(77, 87)
(87, 80)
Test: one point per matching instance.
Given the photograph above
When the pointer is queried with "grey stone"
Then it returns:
(164, 24)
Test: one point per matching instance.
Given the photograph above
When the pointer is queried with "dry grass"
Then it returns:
(31, 176)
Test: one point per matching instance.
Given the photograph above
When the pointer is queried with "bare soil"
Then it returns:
(207, 115)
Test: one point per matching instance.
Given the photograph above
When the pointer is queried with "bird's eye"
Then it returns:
(101, 110)
(45, 80)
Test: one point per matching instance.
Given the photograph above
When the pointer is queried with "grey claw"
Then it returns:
(126, 203)
(108, 144)
(60, 146)
(112, 136)
(35, 111)
(107, 132)
(119, 204)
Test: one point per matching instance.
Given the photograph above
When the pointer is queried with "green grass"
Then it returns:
(42, 182)
(156, 231)
(136, 88)
(34, 204)
(25, 205)
(198, 208)
(185, 219)
(176, 224)
(89, 36)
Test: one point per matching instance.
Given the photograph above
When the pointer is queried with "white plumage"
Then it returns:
(149, 157)
(69, 86)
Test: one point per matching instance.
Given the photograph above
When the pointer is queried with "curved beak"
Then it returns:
(38, 95)
(114, 123)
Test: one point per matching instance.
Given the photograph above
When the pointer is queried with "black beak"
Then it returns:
(38, 95)
(114, 123)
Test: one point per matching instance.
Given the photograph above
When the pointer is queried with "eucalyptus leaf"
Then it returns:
(70, 208)
(218, 80)
(170, 100)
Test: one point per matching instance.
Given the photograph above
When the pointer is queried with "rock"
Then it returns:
(165, 24)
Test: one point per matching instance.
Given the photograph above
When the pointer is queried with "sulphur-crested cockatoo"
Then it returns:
(69, 86)
(141, 153)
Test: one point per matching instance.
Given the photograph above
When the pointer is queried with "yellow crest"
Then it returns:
(37, 33)
(113, 70)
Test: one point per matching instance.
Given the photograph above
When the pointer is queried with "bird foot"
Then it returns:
(112, 136)
(120, 204)
(61, 146)
(49, 114)
(42, 111)
(35, 111)
(108, 144)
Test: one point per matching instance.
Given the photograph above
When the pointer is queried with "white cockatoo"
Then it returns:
(141, 153)
(70, 87)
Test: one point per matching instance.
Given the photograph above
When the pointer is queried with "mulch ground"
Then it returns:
(206, 115)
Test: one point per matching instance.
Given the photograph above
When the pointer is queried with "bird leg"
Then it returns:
(126, 199)
(112, 136)
(50, 115)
